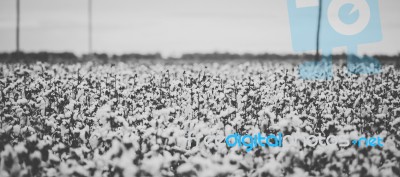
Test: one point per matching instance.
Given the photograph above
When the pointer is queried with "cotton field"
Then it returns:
(171, 119)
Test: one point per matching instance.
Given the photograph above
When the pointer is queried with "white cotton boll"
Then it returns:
(181, 142)
(296, 121)
(347, 153)
(47, 92)
(385, 109)
(32, 103)
(60, 117)
(387, 172)
(354, 135)
(16, 129)
(22, 101)
(322, 96)
(298, 172)
(238, 121)
(347, 112)
(9, 103)
(368, 109)
(380, 116)
(21, 80)
(271, 167)
(68, 114)
(42, 143)
(185, 168)
(51, 172)
(37, 67)
(64, 130)
(126, 163)
(103, 113)
(357, 102)
(265, 112)
(8, 128)
(155, 147)
(152, 165)
(30, 129)
(35, 155)
(94, 141)
(283, 123)
(229, 130)
(309, 129)
(373, 170)
(70, 106)
(20, 148)
(81, 171)
(49, 123)
(396, 121)
(103, 98)
(328, 116)
(275, 127)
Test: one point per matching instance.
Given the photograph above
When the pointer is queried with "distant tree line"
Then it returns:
(38, 56)
(68, 57)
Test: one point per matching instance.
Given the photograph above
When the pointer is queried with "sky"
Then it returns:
(171, 27)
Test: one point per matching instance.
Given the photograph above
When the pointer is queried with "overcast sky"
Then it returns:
(171, 27)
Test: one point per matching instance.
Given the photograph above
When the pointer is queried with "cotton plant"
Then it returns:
(171, 119)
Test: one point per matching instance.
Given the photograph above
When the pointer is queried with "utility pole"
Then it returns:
(17, 28)
(90, 27)
(317, 55)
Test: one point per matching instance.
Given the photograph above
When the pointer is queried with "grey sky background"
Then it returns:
(171, 27)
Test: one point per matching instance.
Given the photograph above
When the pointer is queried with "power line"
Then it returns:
(90, 27)
(17, 28)
(317, 55)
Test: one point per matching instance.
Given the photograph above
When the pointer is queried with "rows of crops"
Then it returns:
(170, 119)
